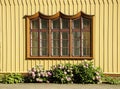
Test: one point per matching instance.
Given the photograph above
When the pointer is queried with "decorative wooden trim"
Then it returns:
(59, 14)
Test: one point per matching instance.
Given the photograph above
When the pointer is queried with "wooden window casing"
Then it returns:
(70, 30)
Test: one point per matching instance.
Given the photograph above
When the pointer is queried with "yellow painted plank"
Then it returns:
(87, 6)
(21, 20)
(5, 39)
(101, 34)
(83, 6)
(110, 38)
(75, 7)
(41, 6)
(92, 7)
(71, 7)
(118, 36)
(32, 5)
(66, 9)
(78, 6)
(1, 28)
(49, 7)
(53, 6)
(96, 34)
(62, 6)
(57, 5)
(24, 36)
(105, 36)
(37, 5)
(114, 60)
(45, 7)
(8, 35)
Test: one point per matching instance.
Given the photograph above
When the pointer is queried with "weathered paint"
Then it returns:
(106, 32)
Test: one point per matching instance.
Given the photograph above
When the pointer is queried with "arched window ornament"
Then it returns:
(60, 36)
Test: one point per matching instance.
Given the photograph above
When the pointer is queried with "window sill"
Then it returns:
(81, 58)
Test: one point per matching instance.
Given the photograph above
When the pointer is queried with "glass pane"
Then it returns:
(65, 35)
(34, 43)
(65, 23)
(85, 24)
(76, 24)
(76, 51)
(35, 24)
(76, 43)
(76, 35)
(55, 51)
(65, 43)
(55, 35)
(86, 43)
(64, 51)
(44, 24)
(43, 35)
(43, 43)
(34, 35)
(56, 43)
(56, 24)
(34, 51)
(43, 51)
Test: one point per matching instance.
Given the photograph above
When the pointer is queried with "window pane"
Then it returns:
(65, 23)
(65, 35)
(76, 52)
(44, 24)
(86, 43)
(65, 43)
(56, 43)
(35, 24)
(76, 24)
(34, 51)
(34, 35)
(56, 24)
(76, 43)
(85, 24)
(55, 51)
(43, 35)
(65, 52)
(43, 51)
(34, 43)
(55, 35)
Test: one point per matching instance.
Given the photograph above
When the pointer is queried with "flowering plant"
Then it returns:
(38, 74)
(87, 73)
(62, 73)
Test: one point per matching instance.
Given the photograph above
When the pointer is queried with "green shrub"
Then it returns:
(86, 73)
(62, 73)
(12, 78)
(83, 73)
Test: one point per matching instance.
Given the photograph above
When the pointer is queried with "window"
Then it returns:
(59, 36)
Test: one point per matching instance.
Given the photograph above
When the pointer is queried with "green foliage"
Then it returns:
(111, 80)
(12, 78)
(87, 73)
(62, 73)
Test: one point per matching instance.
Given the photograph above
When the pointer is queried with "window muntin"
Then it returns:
(61, 37)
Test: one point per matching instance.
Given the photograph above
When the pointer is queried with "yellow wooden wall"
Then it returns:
(12, 32)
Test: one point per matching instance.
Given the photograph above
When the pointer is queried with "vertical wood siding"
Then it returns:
(13, 38)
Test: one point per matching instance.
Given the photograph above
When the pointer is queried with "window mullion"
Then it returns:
(81, 24)
(49, 39)
(39, 37)
(70, 39)
(60, 37)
